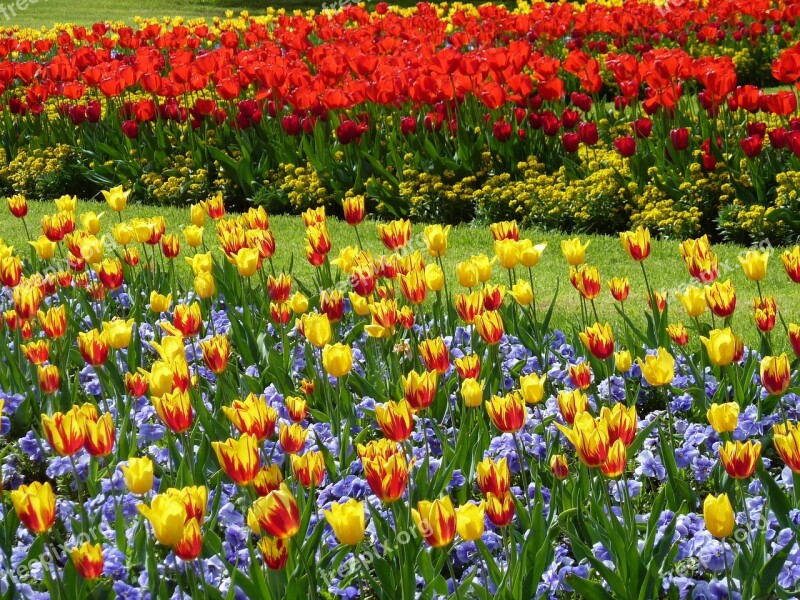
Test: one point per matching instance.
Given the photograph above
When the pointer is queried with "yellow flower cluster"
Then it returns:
(28, 171)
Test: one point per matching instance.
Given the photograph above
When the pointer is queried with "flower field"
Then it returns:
(679, 117)
(371, 431)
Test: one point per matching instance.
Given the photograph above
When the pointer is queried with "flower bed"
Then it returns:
(372, 432)
(588, 117)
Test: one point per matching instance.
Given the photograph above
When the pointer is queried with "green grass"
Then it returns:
(46, 13)
(665, 267)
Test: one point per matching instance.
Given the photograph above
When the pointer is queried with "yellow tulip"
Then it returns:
(138, 475)
(117, 198)
(91, 222)
(470, 521)
(299, 303)
(204, 284)
(167, 515)
(159, 303)
(118, 332)
(467, 273)
(347, 521)
(693, 300)
(472, 392)
(507, 253)
(723, 417)
(658, 370)
(574, 251)
(122, 233)
(721, 346)
(532, 387)
(247, 261)
(337, 359)
(193, 235)
(201, 262)
(718, 515)
(623, 361)
(434, 277)
(522, 292)
(91, 249)
(317, 329)
(45, 249)
(754, 264)
(530, 254)
(435, 237)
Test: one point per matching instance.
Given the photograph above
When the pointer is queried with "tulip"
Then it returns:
(493, 477)
(188, 319)
(204, 285)
(614, 465)
(276, 514)
(191, 542)
(794, 338)
(532, 387)
(775, 374)
(18, 206)
(721, 298)
(413, 286)
(589, 437)
(292, 438)
(435, 237)
(530, 254)
(193, 236)
(268, 479)
(467, 273)
(275, 552)
(36, 352)
(45, 249)
(658, 370)
(507, 252)
(420, 390)
(636, 243)
(385, 469)
(298, 303)
(786, 439)
(122, 233)
(507, 413)
(472, 392)
(469, 521)
(309, 469)
(99, 435)
(678, 334)
(35, 505)
(765, 310)
(434, 278)
(522, 292)
(754, 264)
(693, 300)
(317, 329)
(195, 501)
(216, 352)
(297, 408)
(167, 516)
(468, 367)
(354, 209)
(721, 346)
(214, 207)
(620, 288)
(435, 355)
(489, 326)
(138, 475)
(739, 459)
(599, 340)
(572, 403)
(500, 508)
(586, 280)
(436, 521)
(88, 560)
(559, 466)
(200, 263)
(723, 417)
(64, 431)
(116, 198)
(621, 422)
(504, 230)
(175, 410)
(197, 215)
(574, 251)
(718, 515)
(247, 261)
(252, 416)
(622, 361)
(791, 263)
(395, 235)
(239, 458)
(337, 359)
(110, 273)
(347, 521)
(468, 306)
(49, 378)
(91, 222)
(27, 298)
(159, 303)
(396, 420)
(118, 332)
(580, 375)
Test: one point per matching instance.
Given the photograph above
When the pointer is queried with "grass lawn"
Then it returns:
(46, 13)
(665, 267)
